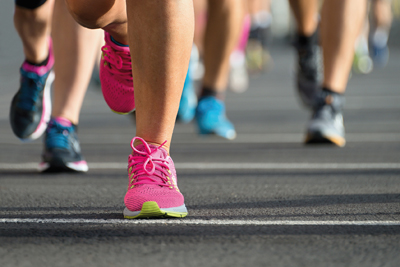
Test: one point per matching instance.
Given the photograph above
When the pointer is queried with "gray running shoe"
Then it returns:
(326, 124)
(309, 70)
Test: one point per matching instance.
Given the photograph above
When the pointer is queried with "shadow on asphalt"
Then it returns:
(201, 231)
(307, 201)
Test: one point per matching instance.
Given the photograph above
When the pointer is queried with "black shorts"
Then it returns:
(30, 4)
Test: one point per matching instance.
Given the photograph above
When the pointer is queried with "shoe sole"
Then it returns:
(47, 167)
(151, 209)
(230, 136)
(46, 111)
(319, 138)
(123, 113)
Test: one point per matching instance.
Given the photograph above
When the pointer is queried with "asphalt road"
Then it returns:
(263, 199)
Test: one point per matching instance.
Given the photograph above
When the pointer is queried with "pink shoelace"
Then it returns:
(119, 62)
(146, 169)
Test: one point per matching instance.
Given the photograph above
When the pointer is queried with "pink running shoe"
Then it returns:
(116, 77)
(153, 190)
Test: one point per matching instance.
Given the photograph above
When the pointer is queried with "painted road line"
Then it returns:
(199, 222)
(243, 138)
(229, 166)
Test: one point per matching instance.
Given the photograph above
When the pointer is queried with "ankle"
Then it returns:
(164, 145)
(208, 91)
(38, 63)
(63, 121)
(307, 40)
(119, 43)
(331, 91)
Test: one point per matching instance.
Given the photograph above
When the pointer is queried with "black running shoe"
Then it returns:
(62, 152)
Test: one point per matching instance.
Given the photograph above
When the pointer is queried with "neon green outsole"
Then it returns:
(150, 209)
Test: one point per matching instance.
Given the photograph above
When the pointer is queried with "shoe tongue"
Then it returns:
(156, 153)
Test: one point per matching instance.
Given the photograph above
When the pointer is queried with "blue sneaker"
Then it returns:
(188, 103)
(31, 106)
(380, 55)
(211, 118)
(379, 48)
(61, 148)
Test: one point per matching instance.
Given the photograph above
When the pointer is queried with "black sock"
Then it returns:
(329, 91)
(304, 40)
(43, 63)
(207, 91)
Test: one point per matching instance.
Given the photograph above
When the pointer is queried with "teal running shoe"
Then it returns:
(31, 106)
(211, 118)
(62, 152)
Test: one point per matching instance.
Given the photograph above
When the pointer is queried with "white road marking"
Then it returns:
(227, 166)
(185, 137)
(200, 222)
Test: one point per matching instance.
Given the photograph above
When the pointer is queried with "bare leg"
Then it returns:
(341, 23)
(305, 12)
(33, 26)
(382, 13)
(74, 51)
(159, 63)
(200, 15)
(254, 6)
(225, 20)
(160, 55)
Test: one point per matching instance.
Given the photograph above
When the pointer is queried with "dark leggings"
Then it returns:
(29, 4)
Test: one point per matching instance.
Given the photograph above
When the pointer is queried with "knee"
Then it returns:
(89, 13)
(226, 6)
(27, 12)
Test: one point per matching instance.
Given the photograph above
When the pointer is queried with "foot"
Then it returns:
(61, 148)
(379, 47)
(309, 69)
(116, 76)
(380, 55)
(238, 76)
(362, 62)
(258, 58)
(211, 118)
(31, 106)
(326, 124)
(153, 190)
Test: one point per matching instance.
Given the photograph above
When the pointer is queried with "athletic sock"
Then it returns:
(207, 91)
(329, 91)
(63, 121)
(304, 40)
(43, 63)
(118, 43)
